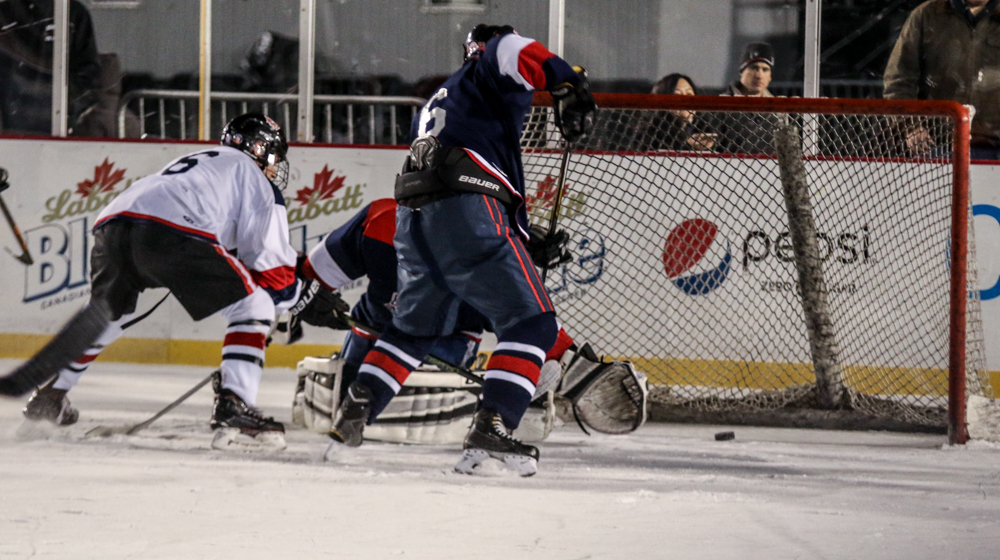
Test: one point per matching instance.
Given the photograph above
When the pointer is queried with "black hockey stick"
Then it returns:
(107, 431)
(25, 256)
(430, 358)
(560, 184)
(73, 340)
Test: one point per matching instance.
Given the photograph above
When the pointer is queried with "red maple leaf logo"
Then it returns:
(104, 180)
(323, 187)
(545, 194)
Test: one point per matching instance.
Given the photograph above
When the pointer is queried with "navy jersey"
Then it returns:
(481, 108)
(363, 247)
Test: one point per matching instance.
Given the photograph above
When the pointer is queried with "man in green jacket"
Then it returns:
(950, 50)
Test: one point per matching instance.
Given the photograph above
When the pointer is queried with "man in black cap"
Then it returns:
(749, 133)
(755, 72)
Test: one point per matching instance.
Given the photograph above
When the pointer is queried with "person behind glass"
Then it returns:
(26, 39)
(679, 130)
(749, 133)
(755, 72)
(949, 50)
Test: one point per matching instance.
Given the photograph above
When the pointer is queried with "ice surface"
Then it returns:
(667, 491)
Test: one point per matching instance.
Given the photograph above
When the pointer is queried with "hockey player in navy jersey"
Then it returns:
(212, 228)
(362, 247)
(461, 238)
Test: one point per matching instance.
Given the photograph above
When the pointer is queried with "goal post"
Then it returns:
(684, 261)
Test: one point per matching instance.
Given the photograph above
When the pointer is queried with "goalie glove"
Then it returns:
(574, 108)
(548, 251)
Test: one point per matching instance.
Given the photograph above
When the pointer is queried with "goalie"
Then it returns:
(437, 408)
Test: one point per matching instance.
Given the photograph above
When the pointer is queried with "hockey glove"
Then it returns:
(548, 251)
(574, 108)
(4, 185)
(321, 308)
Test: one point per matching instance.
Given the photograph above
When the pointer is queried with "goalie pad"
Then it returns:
(433, 406)
(608, 397)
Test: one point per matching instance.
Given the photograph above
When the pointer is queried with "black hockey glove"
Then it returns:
(320, 307)
(4, 185)
(548, 251)
(575, 108)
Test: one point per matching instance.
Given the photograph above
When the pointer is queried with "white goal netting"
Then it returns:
(684, 261)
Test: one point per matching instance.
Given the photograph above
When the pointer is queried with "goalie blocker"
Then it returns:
(436, 407)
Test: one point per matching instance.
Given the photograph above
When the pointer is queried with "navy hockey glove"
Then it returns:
(548, 251)
(574, 108)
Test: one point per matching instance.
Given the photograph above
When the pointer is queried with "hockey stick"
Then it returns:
(429, 358)
(75, 337)
(560, 184)
(107, 431)
(25, 256)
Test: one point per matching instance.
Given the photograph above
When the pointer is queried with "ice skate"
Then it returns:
(239, 426)
(349, 424)
(488, 438)
(52, 405)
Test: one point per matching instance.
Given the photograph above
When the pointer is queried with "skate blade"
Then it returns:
(335, 451)
(472, 463)
(231, 439)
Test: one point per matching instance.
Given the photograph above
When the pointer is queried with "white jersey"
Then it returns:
(220, 195)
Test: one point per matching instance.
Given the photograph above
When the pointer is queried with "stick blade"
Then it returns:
(73, 340)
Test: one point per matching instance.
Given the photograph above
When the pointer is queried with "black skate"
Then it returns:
(52, 405)
(238, 425)
(487, 438)
(349, 424)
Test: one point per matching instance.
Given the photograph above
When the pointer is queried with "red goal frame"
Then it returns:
(959, 114)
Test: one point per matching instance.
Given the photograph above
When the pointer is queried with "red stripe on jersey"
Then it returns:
(86, 359)
(528, 277)
(277, 278)
(529, 63)
(520, 366)
(192, 231)
(238, 267)
(380, 223)
(255, 340)
(385, 363)
(363, 334)
(490, 208)
(563, 342)
(309, 272)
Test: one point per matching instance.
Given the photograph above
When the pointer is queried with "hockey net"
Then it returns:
(686, 262)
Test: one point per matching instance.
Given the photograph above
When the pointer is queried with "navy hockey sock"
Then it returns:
(512, 372)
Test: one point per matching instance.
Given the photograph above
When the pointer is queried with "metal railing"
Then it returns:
(336, 119)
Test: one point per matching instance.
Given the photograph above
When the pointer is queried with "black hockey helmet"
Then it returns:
(476, 40)
(263, 140)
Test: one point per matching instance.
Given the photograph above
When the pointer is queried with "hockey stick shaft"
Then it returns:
(25, 255)
(430, 358)
(171, 406)
(557, 203)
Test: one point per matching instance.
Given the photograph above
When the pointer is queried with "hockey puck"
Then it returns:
(725, 436)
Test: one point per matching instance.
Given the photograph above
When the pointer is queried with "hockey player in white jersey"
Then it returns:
(212, 228)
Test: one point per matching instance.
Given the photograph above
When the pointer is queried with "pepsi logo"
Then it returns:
(696, 258)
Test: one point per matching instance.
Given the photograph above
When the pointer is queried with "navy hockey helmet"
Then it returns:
(475, 41)
(263, 140)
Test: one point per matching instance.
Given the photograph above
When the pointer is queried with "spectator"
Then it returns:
(949, 50)
(26, 64)
(750, 133)
(678, 130)
(755, 72)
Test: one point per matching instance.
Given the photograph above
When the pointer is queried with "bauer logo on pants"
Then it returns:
(696, 258)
